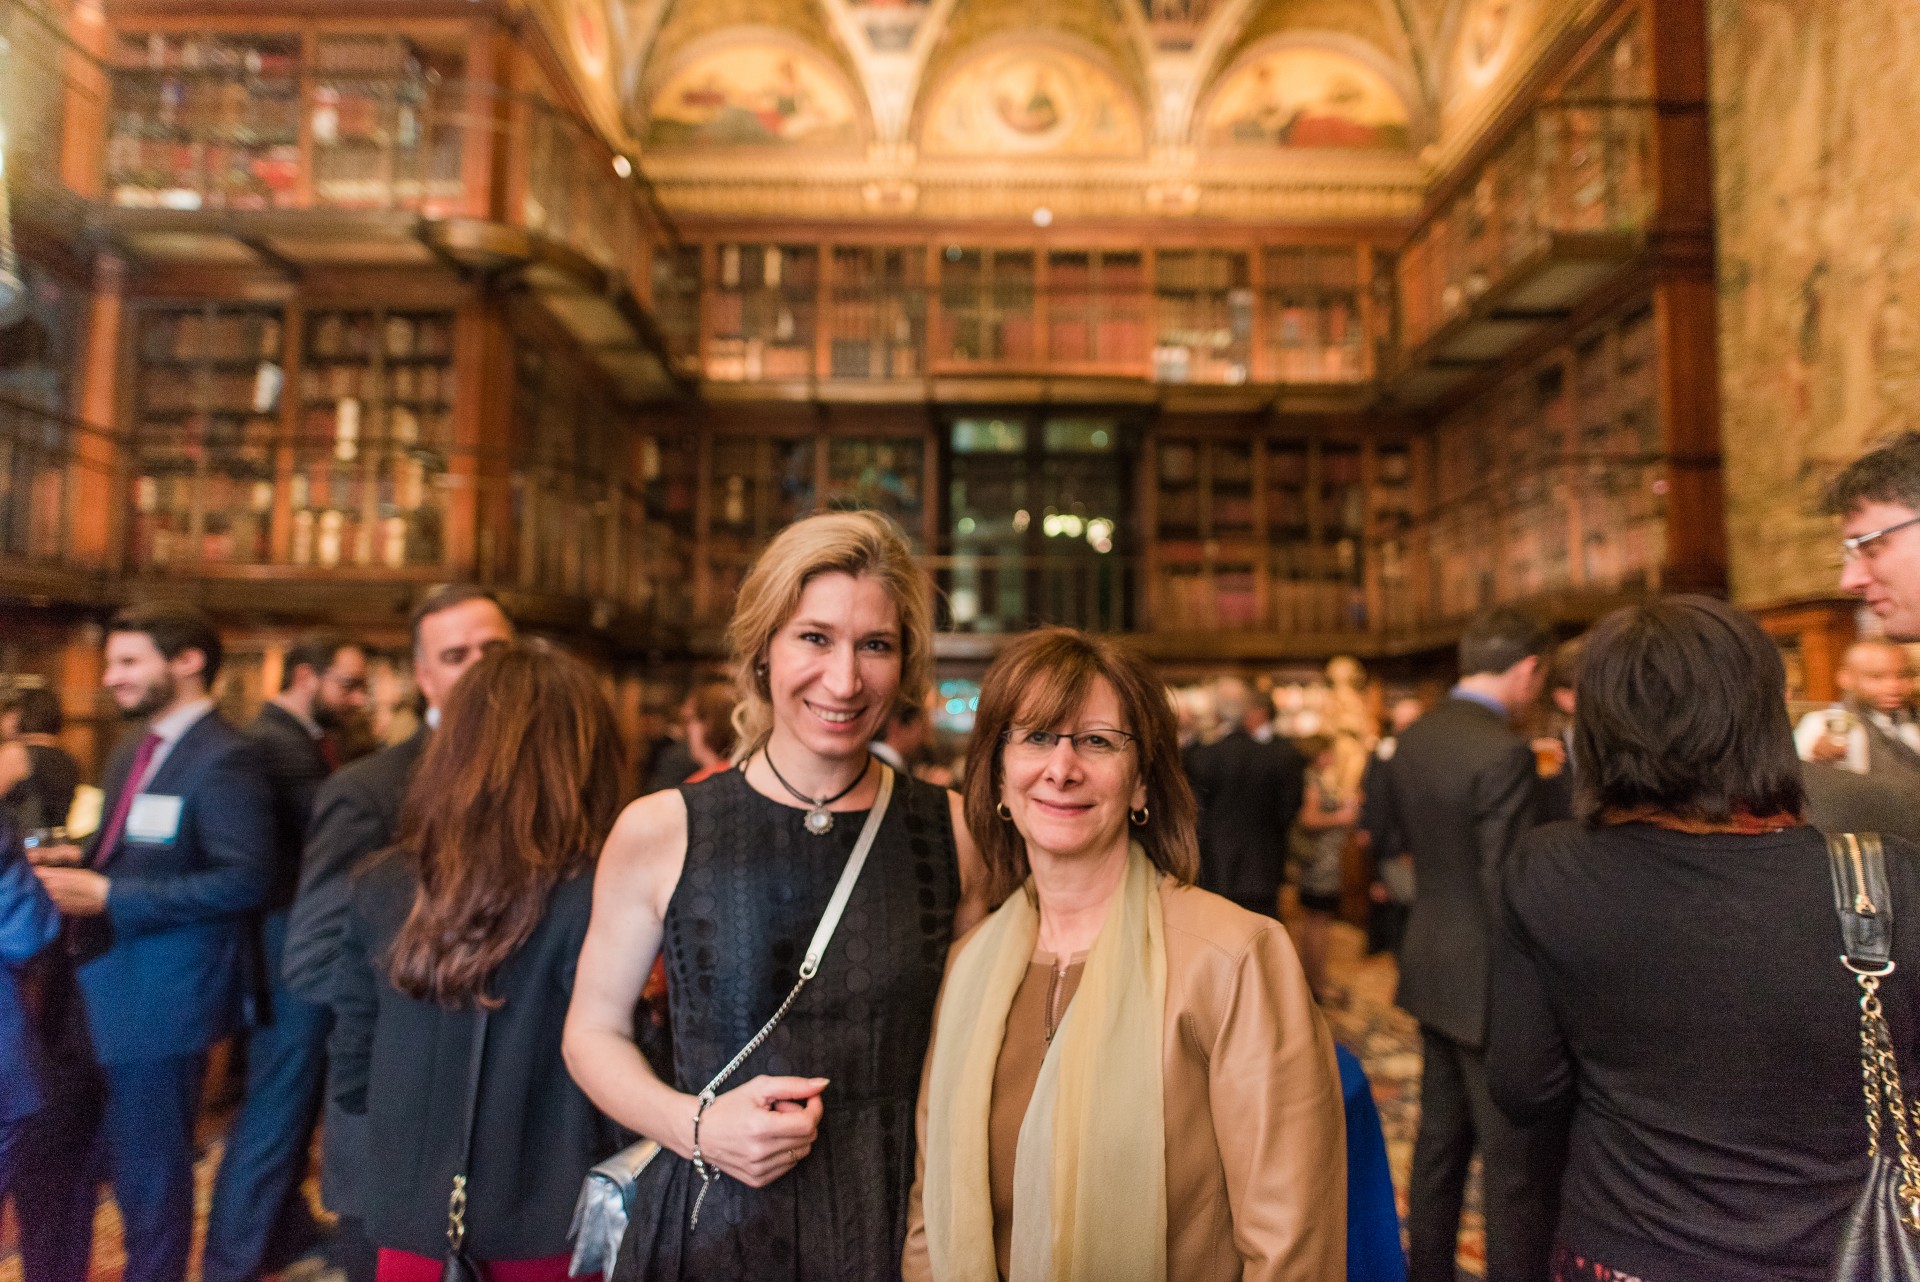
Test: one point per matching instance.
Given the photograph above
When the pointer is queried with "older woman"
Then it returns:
(1669, 970)
(797, 1164)
(1129, 1080)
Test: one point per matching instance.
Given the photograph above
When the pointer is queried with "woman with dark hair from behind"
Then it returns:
(1669, 973)
(482, 903)
(44, 794)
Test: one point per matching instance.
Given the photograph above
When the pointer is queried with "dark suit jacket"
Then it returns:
(172, 976)
(1461, 789)
(295, 769)
(28, 923)
(1249, 794)
(403, 1063)
(355, 813)
(1842, 801)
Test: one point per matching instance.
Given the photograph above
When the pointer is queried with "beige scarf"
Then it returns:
(1090, 1178)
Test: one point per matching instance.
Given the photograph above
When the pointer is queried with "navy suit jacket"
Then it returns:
(171, 979)
(28, 923)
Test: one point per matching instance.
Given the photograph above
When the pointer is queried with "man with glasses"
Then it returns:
(261, 1221)
(1877, 500)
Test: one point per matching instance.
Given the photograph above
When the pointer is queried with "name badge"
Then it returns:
(153, 817)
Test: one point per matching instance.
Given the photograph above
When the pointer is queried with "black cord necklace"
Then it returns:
(819, 818)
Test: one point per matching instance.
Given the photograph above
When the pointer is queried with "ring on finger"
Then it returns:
(795, 1154)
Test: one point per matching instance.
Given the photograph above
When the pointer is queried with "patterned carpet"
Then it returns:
(1368, 1024)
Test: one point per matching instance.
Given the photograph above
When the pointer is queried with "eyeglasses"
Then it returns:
(1863, 544)
(1090, 745)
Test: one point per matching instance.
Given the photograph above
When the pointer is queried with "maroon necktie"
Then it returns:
(117, 826)
(329, 752)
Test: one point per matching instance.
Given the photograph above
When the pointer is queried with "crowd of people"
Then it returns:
(1043, 1023)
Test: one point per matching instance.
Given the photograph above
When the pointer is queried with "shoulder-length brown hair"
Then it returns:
(1042, 679)
(518, 789)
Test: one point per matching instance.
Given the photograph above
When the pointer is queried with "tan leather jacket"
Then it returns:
(1256, 1126)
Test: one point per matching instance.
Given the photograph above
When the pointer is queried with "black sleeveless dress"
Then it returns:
(753, 889)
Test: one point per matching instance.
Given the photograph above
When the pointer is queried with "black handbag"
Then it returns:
(1881, 1242)
(461, 1267)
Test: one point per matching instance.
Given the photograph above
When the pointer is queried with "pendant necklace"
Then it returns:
(819, 818)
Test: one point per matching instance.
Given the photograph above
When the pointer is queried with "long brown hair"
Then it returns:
(518, 789)
(1042, 679)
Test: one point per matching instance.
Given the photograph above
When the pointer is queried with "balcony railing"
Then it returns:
(1569, 170)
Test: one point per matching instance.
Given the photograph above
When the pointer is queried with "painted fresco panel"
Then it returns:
(753, 95)
(1306, 97)
(1032, 99)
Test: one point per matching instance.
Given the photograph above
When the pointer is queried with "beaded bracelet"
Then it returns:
(705, 1172)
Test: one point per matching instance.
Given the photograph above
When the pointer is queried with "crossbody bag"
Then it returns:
(1881, 1241)
(605, 1205)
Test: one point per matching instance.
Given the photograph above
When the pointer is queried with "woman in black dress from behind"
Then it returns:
(1669, 971)
(813, 1136)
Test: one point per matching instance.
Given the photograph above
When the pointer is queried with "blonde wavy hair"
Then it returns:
(856, 543)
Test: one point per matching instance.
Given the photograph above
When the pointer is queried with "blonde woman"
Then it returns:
(806, 1151)
(1129, 1080)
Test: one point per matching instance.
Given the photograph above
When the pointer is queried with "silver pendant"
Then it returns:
(819, 820)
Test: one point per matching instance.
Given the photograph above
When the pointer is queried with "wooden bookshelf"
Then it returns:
(760, 312)
(1203, 316)
(877, 312)
(376, 392)
(1313, 319)
(987, 308)
(206, 414)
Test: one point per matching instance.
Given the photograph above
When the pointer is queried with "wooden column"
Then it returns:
(87, 94)
(97, 470)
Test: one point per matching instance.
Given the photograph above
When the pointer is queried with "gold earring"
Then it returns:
(1139, 817)
(1003, 812)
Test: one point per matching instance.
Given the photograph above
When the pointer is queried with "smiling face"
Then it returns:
(1886, 573)
(1070, 803)
(833, 669)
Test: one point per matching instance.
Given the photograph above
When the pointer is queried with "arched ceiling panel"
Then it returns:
(1031, 96)
(1100, 26)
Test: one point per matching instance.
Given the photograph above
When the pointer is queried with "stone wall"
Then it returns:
(1816, 120)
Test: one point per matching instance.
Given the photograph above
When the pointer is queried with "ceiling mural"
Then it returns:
(1031, 99)
(758, 92)
(1307, 97)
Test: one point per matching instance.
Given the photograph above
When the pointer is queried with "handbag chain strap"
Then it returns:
(809, 967)
(1858, 866)
(457, 1200)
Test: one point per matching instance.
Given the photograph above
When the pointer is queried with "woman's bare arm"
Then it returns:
(756, 1132)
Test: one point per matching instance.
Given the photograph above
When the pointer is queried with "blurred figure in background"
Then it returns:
(44, 774)
(1872, 731)
(28, 924)
(1249, 793)
(1327, 816)
(1553, 753)
(710, 732)
(1390, 889)
(260, 1220)
(905, 739)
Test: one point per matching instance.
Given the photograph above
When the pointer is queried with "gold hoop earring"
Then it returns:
(1003, 812)
(1139, 817)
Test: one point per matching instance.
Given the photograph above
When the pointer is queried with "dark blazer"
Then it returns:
(28, 923)
(404, 1064)
(1841, 801)
(1249, 794)
(355, 813)
(171, 978)
(1461, 791)
(295, 768)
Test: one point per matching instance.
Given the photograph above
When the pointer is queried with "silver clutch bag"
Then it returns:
(606, 1200)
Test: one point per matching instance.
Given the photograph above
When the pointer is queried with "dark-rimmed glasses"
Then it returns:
(1090, 745)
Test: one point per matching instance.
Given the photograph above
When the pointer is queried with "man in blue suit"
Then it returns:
(28, 924)
(161, 898)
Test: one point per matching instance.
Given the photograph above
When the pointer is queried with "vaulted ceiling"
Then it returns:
(1259, 108)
